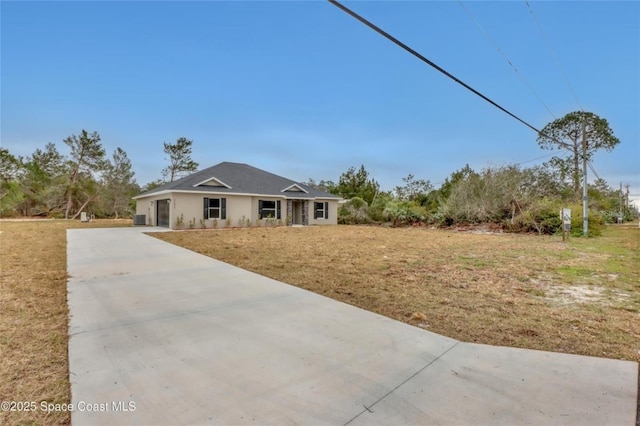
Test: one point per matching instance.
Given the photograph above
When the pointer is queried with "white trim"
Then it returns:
(297, 186)
(324, 211)
(183, 191)
(219, 208)
(261, 214)
(209, 180)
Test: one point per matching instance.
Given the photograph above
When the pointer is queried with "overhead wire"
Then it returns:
(564, 74)
(429, 62)
(555, 58)
(539, 158)
(593, 169)
(506, 58)
(515, 69)
(563, 145)
(440, 69)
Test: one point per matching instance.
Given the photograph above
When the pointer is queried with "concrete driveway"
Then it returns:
(162, 335)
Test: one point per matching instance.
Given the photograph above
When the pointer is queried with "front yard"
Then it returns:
(34, 364)
(580, 297)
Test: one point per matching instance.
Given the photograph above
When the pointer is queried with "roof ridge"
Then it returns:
(241, 177)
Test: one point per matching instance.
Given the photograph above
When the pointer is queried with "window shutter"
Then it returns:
(326, 210)
(315, 210)
(205, 210)
(278, 209)
(223, 208)
(260, 209)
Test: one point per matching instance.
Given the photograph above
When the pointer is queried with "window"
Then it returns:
(268, 209)
(215, 208)
(321, 210)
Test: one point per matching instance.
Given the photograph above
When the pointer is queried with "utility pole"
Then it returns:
(585, 212)
(620, 212)
(627, 203)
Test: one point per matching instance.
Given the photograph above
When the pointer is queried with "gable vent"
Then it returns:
(212, 181)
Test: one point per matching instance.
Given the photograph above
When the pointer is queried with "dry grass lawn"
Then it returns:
(580, 297)
(34, 363)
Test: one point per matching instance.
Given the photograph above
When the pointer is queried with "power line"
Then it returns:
(506, 58)
(428, 62)
(555, 58)
(592, 169)
(585, 196)
(562, 144)
(537, 158)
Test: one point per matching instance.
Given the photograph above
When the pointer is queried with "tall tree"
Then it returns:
(180, 161)
(568, 133)
(43, 182)
(414, 189)
(87, 159)
(450, 182)
(354, 183)
(323, 185)
(152, 185)
(48, 160)
(10, 167)
(119, 183)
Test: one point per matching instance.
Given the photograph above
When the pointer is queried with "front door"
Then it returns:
(162, 213)
(297, 213)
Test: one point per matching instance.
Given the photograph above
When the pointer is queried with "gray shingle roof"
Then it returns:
(243, 179)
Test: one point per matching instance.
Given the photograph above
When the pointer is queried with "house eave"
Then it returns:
(281, 196)
(328, 198)
(288, 188)
(209, 180)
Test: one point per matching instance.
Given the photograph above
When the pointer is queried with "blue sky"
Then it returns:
(305, 91)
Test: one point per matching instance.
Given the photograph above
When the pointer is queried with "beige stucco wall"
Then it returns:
(147, 207)
(240, 209)
(255, 206)
(191, 206)
(333, 213)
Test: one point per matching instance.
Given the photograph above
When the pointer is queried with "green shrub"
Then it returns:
(404, 213)
(542, 217)
(376, 209)
(596, 222)
(354, 211)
